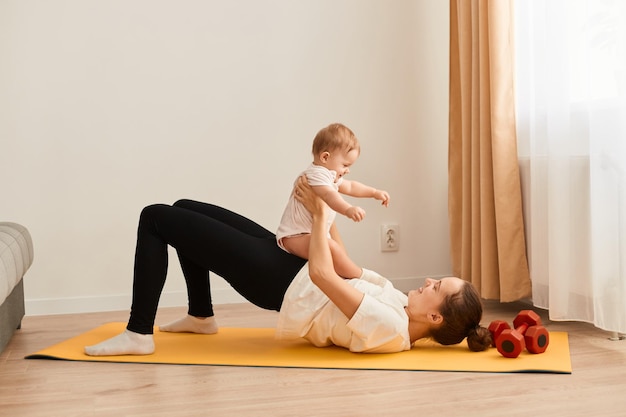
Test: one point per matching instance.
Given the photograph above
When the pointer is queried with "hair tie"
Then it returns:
(474, 329)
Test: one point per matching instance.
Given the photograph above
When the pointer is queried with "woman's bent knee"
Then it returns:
(182, 202)
(149, 211)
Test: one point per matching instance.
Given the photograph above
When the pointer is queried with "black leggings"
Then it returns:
(206, 238)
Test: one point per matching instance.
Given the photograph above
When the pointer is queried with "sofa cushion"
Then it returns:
(16, 256)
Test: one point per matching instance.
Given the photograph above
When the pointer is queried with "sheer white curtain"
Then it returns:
(571, 122)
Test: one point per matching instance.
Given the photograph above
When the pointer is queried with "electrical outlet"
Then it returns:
(389, 237)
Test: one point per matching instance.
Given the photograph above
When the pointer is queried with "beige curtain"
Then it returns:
(485, 208)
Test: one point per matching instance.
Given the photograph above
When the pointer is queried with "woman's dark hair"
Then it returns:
(461, 314)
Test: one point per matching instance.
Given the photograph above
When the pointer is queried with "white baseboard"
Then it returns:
(74, 305)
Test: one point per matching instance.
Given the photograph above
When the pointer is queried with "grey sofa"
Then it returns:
(16, 256)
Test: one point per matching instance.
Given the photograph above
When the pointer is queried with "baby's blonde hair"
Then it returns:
(335, 136)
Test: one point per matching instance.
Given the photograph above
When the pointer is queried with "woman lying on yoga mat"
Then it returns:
(365, 314)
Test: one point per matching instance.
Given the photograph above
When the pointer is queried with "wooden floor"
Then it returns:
(597, 386)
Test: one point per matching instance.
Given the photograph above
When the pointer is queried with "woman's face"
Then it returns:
(424, 302)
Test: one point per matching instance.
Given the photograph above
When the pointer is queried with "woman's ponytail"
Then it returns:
(479, 339)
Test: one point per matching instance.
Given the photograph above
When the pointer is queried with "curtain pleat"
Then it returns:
(485, 207)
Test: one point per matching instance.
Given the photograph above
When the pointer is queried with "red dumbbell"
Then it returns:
(528, 333)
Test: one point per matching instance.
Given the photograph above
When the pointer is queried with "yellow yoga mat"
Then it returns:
(258, 347)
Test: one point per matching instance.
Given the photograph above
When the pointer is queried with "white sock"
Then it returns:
(191, 324)
(126, 343)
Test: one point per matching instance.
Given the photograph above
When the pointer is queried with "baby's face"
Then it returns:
(341, 161)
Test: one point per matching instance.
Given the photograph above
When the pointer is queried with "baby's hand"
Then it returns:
(355, 213)
(382, 196)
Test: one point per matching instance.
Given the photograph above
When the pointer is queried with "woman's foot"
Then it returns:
(126, 343)
(191, 324)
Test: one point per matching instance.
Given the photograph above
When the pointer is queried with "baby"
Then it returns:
(335, 149)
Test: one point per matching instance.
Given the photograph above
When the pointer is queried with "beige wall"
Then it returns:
(107, 106)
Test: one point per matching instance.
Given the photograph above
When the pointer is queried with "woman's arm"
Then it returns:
(321, 270)
(334, 234)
